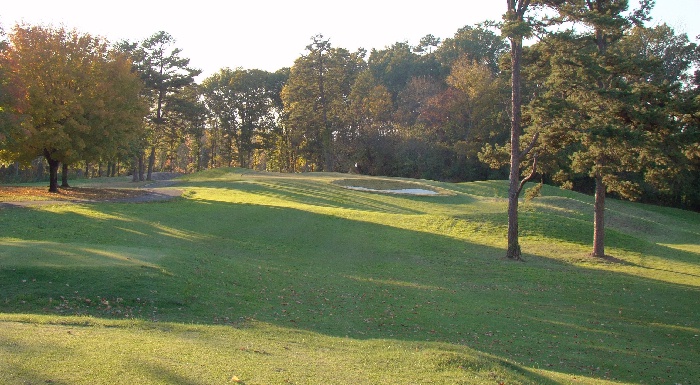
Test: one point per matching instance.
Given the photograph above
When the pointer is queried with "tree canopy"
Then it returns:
(72, 97)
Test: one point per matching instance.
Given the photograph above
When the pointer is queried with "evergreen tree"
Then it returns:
(165, 73)
(516, 28)
(607, 104)
(316, 99)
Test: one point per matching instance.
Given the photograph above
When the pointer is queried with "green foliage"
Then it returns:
(290, 277)
(395, 66)
(612, 113)
(427, 43)
(533, 192)
(476, 43)
(315, 101)
(516, 29)
(165, 74)
(438, 110)
(245, 105)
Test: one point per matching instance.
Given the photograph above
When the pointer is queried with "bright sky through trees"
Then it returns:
(271, 34)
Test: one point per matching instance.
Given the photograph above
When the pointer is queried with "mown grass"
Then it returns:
(278, 279)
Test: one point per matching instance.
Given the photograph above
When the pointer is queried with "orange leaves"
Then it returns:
(67, 88)
(24, 194)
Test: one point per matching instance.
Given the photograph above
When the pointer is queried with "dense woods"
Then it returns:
(609, 106)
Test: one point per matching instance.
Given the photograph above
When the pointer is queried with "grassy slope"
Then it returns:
(293, 279)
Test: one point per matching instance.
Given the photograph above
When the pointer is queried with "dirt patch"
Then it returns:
(159, 189)
(20, 194)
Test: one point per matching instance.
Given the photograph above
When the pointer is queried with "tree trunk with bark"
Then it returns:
(53, 172)
(64, 176)
(599, 218)
(515, 18)
(514, 251)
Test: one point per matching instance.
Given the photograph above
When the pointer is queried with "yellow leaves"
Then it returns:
(472, 78)
(68, 90)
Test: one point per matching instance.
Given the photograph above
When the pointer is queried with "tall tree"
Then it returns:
(516, 28)
(316, 98)
(165, 73)
(245, 103)
(76, 99)
(189, 115)
(319, 52)
(220, 97)
(115, 112)
(608, 24)
(606, 104)
(6, 101)
(370, 115)
(477, 116)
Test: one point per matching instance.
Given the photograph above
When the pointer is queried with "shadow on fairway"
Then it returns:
(212, 262)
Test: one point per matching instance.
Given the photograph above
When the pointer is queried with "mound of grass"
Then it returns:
(262, 278)
(387, 185)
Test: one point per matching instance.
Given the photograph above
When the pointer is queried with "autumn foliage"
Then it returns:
(72, 98)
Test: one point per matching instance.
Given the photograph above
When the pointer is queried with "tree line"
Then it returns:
(596, 101)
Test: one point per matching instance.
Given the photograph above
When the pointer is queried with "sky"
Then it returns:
(271, 34)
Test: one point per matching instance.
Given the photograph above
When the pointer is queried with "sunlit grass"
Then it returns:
(279, 278)
(65, 255)
(257, 354)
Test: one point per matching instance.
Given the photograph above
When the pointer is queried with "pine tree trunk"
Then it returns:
(515, 130)
(599, 205)
(599, 218)
(327, 133)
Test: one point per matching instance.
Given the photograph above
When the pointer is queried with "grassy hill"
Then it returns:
(260, 278)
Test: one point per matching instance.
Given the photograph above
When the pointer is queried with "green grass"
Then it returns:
(280, 279)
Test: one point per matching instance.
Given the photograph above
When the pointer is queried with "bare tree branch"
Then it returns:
(531, 145)
(532, 174)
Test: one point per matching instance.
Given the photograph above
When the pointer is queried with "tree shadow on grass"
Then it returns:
(323, 194)
(651, 249)
(346, 278)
